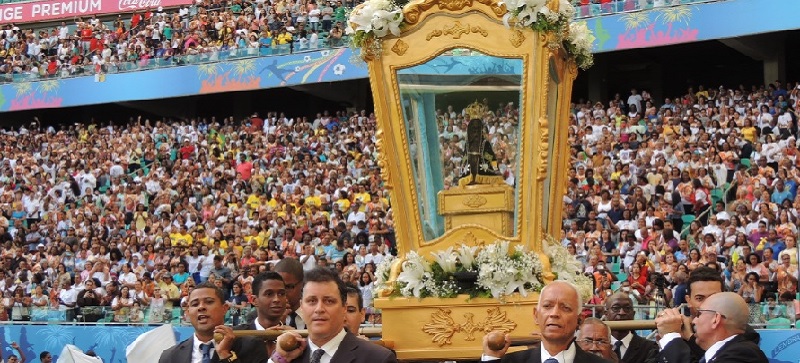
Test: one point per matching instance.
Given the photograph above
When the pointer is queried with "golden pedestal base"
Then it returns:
(491, 206)
(433, 328)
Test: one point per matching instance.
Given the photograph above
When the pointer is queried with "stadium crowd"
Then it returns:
(203, 31)
(132, 216)
(660, 187)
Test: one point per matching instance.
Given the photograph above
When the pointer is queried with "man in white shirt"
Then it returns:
(719, 324)
(324, 297)
(557, 313)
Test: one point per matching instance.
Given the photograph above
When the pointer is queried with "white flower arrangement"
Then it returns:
(579, 43)
(567, 268)
(373, 19)
(503, 274)
(494, 270)
(376, 19)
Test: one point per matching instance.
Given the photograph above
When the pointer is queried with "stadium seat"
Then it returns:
(622, 276)
(687, 219)
(615, 267)
(745, 162)
(717, 195)
(615, 285)
(779, 323)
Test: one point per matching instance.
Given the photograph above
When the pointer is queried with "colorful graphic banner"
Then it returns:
(35, 11)
(109, 342)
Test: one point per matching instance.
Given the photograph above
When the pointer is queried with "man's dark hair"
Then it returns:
(210, 285)
(264, 276)
(43, 355)
(320, 274)
(352, 290)
(292, 266)
(703, 273)
(217, 258)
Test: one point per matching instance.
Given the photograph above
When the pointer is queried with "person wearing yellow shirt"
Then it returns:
(313, 200)
(253, 201)
(182, 238)
(284, 37)
(748, 131)
(362, 196)
(343, 201)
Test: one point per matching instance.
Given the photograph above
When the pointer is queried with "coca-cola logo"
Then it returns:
(138, 4)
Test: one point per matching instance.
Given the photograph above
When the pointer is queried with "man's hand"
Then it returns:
(670, 321)
(496, 353)
(225, 345)
(294, 353)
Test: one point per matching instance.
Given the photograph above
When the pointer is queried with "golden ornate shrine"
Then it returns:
(461, 52)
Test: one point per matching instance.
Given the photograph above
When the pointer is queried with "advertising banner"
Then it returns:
(36, 11)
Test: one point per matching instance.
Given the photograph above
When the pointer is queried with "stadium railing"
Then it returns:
(166, 62)
(625, 6)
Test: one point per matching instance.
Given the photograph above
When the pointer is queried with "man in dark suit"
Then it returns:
(269, 301)
(630, 347)
(323, 308)
(291, 271)
(704, 282)
(206, 312)
(556, 315)
(720, 324)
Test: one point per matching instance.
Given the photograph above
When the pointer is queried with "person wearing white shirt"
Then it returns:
(206, 312)
(324, 304)
(720, 324)
(557, 312)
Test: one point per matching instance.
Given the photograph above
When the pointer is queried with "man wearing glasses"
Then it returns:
(594, 336)
(719, 325)
(703, 283)
(629, 347)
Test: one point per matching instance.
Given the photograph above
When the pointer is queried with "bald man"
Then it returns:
(594, 336)
(556, 315)
(719, 324)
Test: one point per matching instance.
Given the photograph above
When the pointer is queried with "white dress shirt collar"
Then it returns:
(712, 350)
(330, 347)
(626, 343)
(564, 356)
(197, 355)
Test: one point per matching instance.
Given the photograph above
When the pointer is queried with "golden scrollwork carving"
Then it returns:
(443, 327)
(544, 139)
(413, 12)
(471, 240)
(456, 30)
(516, 38)
(383, 163)
(474, 201)
(400, 47)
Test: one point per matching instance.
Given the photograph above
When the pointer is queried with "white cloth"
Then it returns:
(71, 354)
(147, 348)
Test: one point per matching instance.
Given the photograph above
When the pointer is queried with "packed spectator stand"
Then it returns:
(205, 31)
(117, 223)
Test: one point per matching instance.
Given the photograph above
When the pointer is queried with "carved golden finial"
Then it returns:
(476, 110)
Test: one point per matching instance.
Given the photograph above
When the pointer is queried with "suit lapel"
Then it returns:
(727, 345)
(346, 352)
(184, 353)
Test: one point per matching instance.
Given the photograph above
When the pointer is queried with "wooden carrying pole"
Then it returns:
(375, 332)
